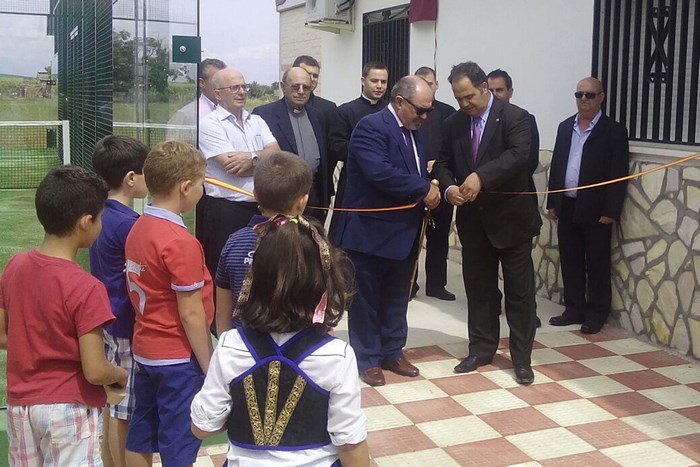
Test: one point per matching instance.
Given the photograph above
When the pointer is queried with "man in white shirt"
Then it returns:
(232, 140)
(203, 106)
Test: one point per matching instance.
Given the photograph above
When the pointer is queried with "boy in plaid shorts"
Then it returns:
(55, 364)
(119, 161)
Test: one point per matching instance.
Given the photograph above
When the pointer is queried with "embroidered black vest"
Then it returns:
(276, 406)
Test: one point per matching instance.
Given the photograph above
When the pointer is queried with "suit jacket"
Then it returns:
(336, 137)
(605, 157)
(276, 115)
(382, 173)
(502, 165)
(431, 129)
(534, 160)
(350, 114)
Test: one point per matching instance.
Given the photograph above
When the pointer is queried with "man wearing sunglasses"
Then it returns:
(485, 151)
(301, 129)
(386, 167)
(590, 148)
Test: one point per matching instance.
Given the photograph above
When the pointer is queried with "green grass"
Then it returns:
(21, 231)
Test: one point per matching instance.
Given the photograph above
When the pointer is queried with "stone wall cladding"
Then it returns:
(655, 255)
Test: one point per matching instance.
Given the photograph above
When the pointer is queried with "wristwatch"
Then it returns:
(254, 158)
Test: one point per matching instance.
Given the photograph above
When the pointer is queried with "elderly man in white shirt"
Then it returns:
(232, 141)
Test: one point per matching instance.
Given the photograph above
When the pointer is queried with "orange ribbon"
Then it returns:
(607, 182)
(236, 189)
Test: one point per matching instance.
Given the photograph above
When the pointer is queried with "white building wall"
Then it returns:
(545, 45)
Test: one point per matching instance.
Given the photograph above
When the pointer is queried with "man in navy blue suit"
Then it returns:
(386, 167)
(301, 129)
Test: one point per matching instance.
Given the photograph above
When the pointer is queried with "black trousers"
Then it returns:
(220, 218)
(480, 261)
(584, 251)
(437, 247)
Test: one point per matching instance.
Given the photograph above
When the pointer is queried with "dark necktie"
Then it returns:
(409, 142)
(476, 136)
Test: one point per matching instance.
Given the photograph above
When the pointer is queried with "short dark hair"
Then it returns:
(280, 179)
(203, 68)
(288, 278)
(170, 163)
(115, 156)
(468, 70)
(425, 71)
(405, 87)
(65, 195)
(498, 73)
(306, 60)
(369, 66)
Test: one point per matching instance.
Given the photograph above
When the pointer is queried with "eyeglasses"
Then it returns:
(419, 110)
(236, 88)
(589, 95)
(298, 87)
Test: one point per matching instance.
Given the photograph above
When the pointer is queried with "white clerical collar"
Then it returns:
(371, 101)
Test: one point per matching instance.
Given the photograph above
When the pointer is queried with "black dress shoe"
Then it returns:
(591, 328)
(471, 363)
(538, 322)
(524, 374)
(441, 294)
(564, 320)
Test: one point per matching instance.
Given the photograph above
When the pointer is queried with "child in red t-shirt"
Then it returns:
(172, 293)
(55, 363)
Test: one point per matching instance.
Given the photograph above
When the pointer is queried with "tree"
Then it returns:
(157, 62)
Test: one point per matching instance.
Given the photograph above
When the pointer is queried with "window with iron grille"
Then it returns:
(385, 38)
(647, 54)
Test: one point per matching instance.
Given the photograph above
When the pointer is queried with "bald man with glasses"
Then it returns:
(232, 141)
(590, 148)
(301, 129)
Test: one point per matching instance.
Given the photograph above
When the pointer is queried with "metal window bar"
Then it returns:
(647, 54)
(386, 38)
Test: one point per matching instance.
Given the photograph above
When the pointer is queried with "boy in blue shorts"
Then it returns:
(172, 293)
(282, 182)
(56, 368)
(119, 161)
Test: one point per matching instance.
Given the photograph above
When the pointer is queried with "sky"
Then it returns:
(242, 33)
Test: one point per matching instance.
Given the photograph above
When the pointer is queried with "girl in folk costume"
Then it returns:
(284, 390)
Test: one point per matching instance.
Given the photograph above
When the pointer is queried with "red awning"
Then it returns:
(422, 10)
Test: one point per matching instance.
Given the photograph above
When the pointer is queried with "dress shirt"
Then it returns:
(413, 141)
(205, 106)
(484, 118)
(573, 166)
(220, 132)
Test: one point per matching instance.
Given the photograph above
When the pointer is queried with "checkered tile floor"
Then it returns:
(605, 399)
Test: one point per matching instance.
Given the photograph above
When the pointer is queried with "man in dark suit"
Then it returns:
(501, 86)
(301, 129)
(336, 138)
(485, 151)
(590, 148)
(386, 167)
(375, 76)
(437, 239)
